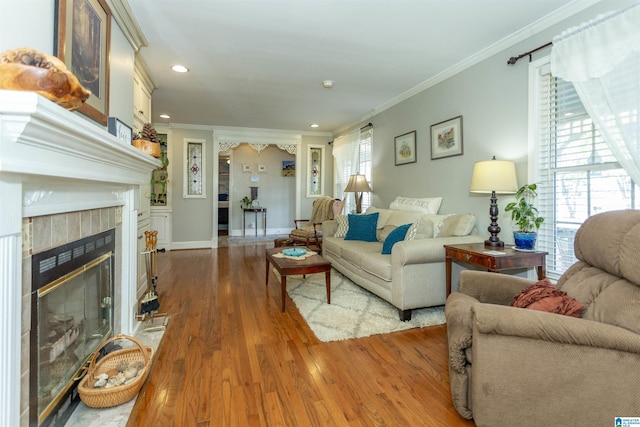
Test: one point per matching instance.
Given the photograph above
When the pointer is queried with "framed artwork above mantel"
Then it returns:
(83, 34)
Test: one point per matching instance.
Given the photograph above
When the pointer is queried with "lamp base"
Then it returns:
(498, 244)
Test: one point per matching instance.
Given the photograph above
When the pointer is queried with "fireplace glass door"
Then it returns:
(74, 318)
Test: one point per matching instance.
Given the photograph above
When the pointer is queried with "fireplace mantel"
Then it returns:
(54, 161)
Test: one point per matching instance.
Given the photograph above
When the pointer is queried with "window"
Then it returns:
(576, 173)
(352, 154)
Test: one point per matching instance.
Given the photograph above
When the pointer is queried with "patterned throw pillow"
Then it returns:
(343, 226)
(421, 229)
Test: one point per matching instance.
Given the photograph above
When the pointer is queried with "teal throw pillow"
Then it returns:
(362, 227)
(397, 235)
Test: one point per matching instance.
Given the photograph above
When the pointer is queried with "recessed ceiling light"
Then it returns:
(165, 116)
(314, 125)
(327, 84)
(179, 68)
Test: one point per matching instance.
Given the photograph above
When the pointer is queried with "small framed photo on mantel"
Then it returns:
(446, 138)
(405, 148)
(120, 130)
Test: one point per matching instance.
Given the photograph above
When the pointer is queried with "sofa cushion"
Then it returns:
(353, 250)
(362, 227)
(397, 235)
(544, 296)
(343, 226)
(377, 264)
(457, 225)
(428, 205)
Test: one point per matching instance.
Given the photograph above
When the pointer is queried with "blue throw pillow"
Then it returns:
(394, 237)
(362, 227)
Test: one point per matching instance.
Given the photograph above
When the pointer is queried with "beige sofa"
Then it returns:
(413, 275)
(518, 366)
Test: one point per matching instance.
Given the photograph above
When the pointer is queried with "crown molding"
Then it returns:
(128, 23)
(524, 33)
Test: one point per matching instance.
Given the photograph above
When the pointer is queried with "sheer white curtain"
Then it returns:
(602, 60)
(345, 162)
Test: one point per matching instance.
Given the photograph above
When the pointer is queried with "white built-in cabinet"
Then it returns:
(142, 91)
(144, 224)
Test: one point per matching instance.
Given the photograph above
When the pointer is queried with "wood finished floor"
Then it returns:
(230, 357)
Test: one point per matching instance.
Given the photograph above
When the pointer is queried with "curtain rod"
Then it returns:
(368, 125)
(515, 59)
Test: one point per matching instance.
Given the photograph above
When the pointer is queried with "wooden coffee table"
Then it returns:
(288, 267)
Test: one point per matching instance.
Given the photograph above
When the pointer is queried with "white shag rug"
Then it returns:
(354, 312)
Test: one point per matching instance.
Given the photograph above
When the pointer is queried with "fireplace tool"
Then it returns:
(150, 302)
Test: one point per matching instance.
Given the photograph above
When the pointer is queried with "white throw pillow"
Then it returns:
(429, 205)
(457, 225)
(343, 226)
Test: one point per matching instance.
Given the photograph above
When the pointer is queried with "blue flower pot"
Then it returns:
(525, 240)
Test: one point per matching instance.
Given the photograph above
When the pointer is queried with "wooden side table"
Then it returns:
(493, 259)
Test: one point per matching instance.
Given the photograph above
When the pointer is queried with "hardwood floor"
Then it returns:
(230, 357)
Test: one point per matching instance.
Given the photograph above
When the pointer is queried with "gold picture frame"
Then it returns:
(83, 43)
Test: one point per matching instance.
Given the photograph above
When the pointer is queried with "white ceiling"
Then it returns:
(261, 63)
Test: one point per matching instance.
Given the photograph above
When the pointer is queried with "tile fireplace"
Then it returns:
(62, 179)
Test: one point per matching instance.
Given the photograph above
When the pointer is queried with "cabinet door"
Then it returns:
(161, 221)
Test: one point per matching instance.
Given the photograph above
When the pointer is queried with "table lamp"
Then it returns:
(357, 185)
(492, 177)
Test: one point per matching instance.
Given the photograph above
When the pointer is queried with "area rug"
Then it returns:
(238, 240)
(354, 312)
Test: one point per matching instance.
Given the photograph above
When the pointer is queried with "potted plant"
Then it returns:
(525, 216)
(245, 202)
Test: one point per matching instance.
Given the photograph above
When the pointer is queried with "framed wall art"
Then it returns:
(405, 148)
(446, 138)
(315, 170)
(288, 168)
(82, 43)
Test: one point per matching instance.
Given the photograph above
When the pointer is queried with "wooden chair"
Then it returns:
(308, 232)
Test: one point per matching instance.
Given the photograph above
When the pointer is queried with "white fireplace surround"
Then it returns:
(54, 161)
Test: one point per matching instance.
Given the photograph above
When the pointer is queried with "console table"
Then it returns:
(255, 211)
(493, 259)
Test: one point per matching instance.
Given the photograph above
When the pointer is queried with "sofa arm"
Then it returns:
(421, 251)
(329, 227)
(491, 288)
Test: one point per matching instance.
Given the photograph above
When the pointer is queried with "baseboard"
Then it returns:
(205, 244)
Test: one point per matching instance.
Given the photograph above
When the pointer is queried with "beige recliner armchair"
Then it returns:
(516, 366)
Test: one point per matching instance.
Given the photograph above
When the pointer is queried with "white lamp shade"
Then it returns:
(494, 175)
(357, 184)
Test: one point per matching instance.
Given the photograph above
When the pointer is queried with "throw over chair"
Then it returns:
(517, 366)
(310, 234)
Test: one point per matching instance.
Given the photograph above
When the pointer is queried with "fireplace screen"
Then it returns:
(73, 318)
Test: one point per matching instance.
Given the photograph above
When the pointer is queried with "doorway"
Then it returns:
(224, 165)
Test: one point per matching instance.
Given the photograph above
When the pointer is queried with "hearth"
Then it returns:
(72, 294)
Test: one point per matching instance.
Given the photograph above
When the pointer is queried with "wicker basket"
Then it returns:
(108, 397)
